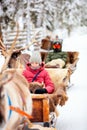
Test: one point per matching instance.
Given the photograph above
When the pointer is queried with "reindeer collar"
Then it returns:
(9, 102)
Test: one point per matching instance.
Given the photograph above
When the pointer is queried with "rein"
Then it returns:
(18, 110)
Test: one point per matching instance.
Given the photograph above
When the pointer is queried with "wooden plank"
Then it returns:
(8, 36)
(45, 110)
(39, 96)
(17, 42)
(37, 110)
(40, 108)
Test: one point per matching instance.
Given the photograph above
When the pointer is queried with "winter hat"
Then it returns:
(35, 57)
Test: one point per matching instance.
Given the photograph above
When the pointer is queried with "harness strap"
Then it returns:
(9, 102)
(18, 110)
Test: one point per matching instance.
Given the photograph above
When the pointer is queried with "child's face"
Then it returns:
(35, 65)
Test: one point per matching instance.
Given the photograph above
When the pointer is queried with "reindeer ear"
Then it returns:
(15, 54)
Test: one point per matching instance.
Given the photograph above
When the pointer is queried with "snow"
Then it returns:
(73, 116)
(75, 43)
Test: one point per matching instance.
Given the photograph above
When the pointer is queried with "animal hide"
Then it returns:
(59, 76)
(57, 63)
(35, 85)
(72, 57)
(57, 98)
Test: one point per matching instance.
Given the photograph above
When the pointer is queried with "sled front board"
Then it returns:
(40, 108)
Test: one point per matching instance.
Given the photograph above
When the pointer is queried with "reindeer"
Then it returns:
(13, 92)
(15, 97)
(45, 46)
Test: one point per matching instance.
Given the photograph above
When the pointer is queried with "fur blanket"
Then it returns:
(57, 63)
(35, 85)
(59, 76)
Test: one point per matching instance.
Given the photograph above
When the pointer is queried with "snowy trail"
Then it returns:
(73, 116)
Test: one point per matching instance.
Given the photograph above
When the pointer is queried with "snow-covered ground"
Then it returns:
(73, 116)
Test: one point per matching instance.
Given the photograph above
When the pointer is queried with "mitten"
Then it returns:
(40, 91)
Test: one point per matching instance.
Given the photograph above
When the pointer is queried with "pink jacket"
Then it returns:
(43, 77)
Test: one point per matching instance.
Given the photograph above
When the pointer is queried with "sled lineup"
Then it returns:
(16, 98)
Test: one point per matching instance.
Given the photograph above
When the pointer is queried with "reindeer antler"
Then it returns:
(33, 40)
(2, 46)
(10, 51)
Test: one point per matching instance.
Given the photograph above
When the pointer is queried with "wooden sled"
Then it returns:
(41, 112)
(40, 108)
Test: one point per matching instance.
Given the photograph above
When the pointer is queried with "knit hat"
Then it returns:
(35, 57)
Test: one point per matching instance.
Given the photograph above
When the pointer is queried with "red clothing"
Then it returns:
(43, 77)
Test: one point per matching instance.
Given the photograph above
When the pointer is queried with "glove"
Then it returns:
(40, 91)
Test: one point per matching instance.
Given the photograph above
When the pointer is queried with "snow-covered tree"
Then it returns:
(51, 14)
